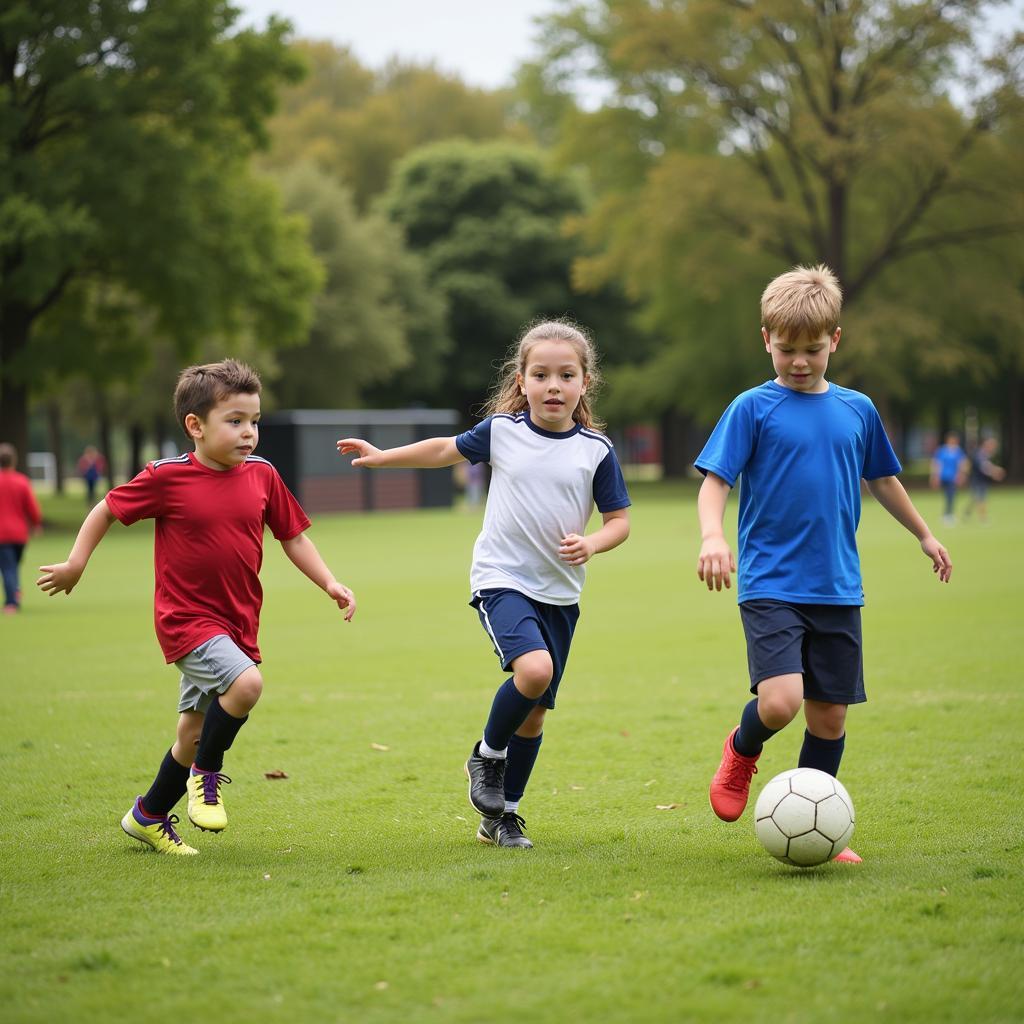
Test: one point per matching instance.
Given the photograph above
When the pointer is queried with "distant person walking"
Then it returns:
(19, 512)
(949, 470)
(983, 471)
(91, 467)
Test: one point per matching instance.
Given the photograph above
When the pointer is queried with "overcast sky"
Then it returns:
(483, 41)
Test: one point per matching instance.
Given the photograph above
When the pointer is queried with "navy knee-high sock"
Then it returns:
(219, 732)
(522, 756)
(167, 789)
(508, 712)
(752, 733)
(824, 755)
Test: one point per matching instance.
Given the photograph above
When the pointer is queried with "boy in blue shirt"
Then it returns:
(950, 466)
(802, 446)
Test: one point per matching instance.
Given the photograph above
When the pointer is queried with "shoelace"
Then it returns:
(167, 827)
(513, 823)
(494, 772)
(739, 773)
(211, 786)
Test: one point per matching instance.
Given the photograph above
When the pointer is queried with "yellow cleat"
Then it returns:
(205, 804)
(156, 833)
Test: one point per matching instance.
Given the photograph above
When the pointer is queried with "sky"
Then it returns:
(483, 41)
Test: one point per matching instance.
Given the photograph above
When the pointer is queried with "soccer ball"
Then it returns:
(804, 817)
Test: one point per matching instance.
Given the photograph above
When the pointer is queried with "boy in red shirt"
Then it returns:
(210, 507)
(18, 511)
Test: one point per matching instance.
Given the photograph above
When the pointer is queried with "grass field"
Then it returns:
(354, 890)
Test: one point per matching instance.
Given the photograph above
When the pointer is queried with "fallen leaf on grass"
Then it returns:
(381, 986)
(276, 774)
(666, 807)
(379, 746)
(650, 782)
(576, 788)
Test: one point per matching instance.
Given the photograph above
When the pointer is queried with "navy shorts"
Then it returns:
(822, 642)
(517, 624)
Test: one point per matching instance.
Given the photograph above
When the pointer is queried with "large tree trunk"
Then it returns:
(137, 439)
(56, 443)
(14, 330)
(107, 444)
(1014, 435)
(680, 444)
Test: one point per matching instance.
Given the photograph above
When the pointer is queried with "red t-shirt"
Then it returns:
(18, 507)
(208, 545)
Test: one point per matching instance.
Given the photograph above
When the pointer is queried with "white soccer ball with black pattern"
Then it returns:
(804, 817)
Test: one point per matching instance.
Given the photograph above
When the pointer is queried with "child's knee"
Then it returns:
(533, 672)
(827, 721)
(241, 696)
(779, 700)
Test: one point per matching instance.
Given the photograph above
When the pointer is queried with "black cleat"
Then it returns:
(504, 831)
(486, 783)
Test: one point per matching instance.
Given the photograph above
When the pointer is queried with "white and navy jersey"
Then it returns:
(544, 485)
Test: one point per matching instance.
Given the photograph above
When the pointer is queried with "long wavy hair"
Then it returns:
(506, 395)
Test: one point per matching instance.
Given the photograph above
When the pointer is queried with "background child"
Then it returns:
(549, 467)
(802, 446)
(19, 512)
(210, 507)
(91, 467)
(983, 471)
(949, 468)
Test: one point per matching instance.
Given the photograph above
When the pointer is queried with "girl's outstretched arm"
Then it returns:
(576, 549)
(64, 576)
(431, 453)
(891, 495)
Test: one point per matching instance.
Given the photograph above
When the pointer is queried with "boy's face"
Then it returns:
(801, 362)
(229, 432)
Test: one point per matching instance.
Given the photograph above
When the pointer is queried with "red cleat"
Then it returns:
(731, 785)
(848, 857)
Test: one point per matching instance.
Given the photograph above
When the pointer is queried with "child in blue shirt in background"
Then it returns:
(949, 469)
(802, 446)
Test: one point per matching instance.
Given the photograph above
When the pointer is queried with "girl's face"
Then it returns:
(553, 382)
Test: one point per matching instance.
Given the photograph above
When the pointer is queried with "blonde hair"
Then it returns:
(803, 303)
(200, 388)
(506, 396)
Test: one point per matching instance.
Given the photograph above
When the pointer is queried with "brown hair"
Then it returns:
(8, 456)
(506, 395)
(200, 388)
(803, 303)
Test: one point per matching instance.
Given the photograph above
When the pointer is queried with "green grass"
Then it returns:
(354, 891)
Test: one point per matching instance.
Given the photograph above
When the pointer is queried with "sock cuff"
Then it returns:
(526, 741)
(808, 735)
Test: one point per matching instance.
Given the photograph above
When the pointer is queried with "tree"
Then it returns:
(376, 321)
(489, 222)
(126, 130)
(354, 123)
(737, 138)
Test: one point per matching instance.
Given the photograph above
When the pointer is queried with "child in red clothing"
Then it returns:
(19, 511)
(210, 508)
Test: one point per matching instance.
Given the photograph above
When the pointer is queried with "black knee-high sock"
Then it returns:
(824, 755)
(749, 739)
(508, 712)
(522, 756)
(167, 789)
(219, 731)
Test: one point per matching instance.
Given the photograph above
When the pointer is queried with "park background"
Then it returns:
(180, 183)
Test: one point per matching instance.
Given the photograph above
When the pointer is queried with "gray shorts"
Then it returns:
(209, 670)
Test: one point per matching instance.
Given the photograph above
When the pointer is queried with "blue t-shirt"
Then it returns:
(949, 458)
(802, 457)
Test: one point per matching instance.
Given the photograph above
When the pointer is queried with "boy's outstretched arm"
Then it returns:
(716, 561)
(305, 557)
(614, 529)
(431, 453)
(62, 577)
(891, 495)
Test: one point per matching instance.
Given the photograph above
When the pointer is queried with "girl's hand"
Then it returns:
(940, 558)
(60, 578)
(367, 454)
(344, 597)
(576, 549)
(716, 563)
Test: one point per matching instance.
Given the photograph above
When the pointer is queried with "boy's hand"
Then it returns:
(939, 556)
(715, 563)
(367, 454)
(575, 549)
(60, 578)
(344, 597)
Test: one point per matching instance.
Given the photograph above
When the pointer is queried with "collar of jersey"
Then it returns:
(213, 472)
(802, 395)
(576, 428)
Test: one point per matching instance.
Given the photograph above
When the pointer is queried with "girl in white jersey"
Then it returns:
(549, 468)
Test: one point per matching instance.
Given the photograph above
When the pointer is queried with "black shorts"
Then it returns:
(822, 642)
(517, 624)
